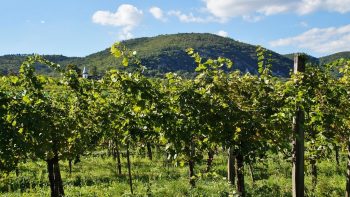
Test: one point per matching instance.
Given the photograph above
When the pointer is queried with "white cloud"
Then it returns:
(157, 13)
(222, 33)
(341, 6)
(308, 6)
(226, 9)
(304, 24)
(127, 16)
(320, 40)
(42, 22)
(273, 9)
(188, 18)
(191, 18)
(251, 18)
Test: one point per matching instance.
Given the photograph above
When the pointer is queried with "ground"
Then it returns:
(96, 175)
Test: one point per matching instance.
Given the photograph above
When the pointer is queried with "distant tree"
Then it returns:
(75, 68)
(93, 71)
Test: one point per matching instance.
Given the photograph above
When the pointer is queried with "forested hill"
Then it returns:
(166, 53)
(326, 59)
(335, 56)
(9, 64)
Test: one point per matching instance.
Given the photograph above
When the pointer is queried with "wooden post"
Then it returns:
(298, 141)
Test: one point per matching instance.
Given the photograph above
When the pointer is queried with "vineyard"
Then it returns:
(225, 132)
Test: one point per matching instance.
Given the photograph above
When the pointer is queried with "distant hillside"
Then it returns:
(323, 60)
(166, 53)
(333, 57)
(9, 64)
(310, 59)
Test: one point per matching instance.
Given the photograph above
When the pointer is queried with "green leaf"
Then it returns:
(20, 130)
(115, 51)
(125, 61)
(201, 67)
(182, 163)
(14, 80)
(26, 99)
(137, 109)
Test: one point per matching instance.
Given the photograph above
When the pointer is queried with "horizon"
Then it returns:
(80, 28)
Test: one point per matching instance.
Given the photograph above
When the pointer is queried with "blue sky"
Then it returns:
(82, 27)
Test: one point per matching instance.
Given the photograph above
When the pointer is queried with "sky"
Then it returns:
(83, 27)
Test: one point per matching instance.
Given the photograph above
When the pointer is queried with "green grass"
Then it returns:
(97, 176)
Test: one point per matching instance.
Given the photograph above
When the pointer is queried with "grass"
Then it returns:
(96, 175)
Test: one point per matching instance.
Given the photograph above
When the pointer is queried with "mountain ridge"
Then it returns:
(166, 53)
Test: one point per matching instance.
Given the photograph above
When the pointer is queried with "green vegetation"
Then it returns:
(323, 60)
(167, 53)
(331, 58)
(9, 64)
(96, 175)
(190, 122)
(310, 59)
(164, 53)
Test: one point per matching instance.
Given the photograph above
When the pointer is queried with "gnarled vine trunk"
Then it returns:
(191, 172)
(116, 156)
(251, 172)
(313, 174)
(210, 159)
(336, 148)
(313, 163)
(191, 164)
(70, 166)
(347, 194)
(240, 174)
(56, 184)
(129, 166)
(149, 151)
(231, 166)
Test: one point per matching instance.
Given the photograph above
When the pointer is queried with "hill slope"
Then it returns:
(310, 59)
(9, 64)
(166, 53)
(325, 59)
(335, 56)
